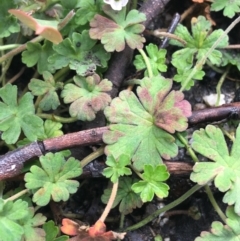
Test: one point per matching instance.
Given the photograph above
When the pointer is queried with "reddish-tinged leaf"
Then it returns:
(48, 32)
(118, 29)
(95, 233)
(69, 227)
(172, 111)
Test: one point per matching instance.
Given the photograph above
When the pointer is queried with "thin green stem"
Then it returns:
(202, 61)
(165, 208)
(19, 49)
(146, 60)
(188, 147)
(17, 195)
(110, 202)
(214, 203)
(99, 152)
(9, 46)
(57, 118)
(220, 83)
(207, 189)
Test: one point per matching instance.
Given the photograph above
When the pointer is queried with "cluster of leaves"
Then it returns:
(20, 222)
(142, 127)
(197, 46)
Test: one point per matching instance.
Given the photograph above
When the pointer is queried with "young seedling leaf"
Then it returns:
(127, 199)
(38, 54)
(183, 71)
(10, 213)
(52, 180)
(220, 232)
(87, 95)
(139, 127)
(47, 29)
(199, 43)
(52, 232)
(157, 58)
(80, 53)
(87, 10)
(117, 167)
(18, 115)
(229, 8)
(30, 225)
(120, 28)
(8, 22)
(47, 89)
(225, 168)
(152, 183)
(52, 129)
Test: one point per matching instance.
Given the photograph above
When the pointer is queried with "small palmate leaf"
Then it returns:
(117, 167)
(52, 231)
(80, 53)
(127, 199)
(52, 180)
(230, 8)
(220, 232)
(135, 123)
(152, 183)
(87, 10)
(157, 60)
(87, 95)
(31, 224)
(18, 115)
(122, 28)
(38, 54)
(199, 43)
(47, 89)
(225, 168)
(10, 213)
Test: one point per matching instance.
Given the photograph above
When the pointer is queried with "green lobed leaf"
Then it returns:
(117, 167)
(52, 231)
(37, 54)
(87, 96)
(47, 89)
(80, 53)
(30, 225)
(87, 10)
(134, 128)
(225, 168)
(183, 71)
(220, 232)
(127, 199)
(157, 58)
(8, 23)
(122, 28)
(16, 116)
(230, 8)
(152, 183)
(51, 181)
(10, 213)
(199, 43)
